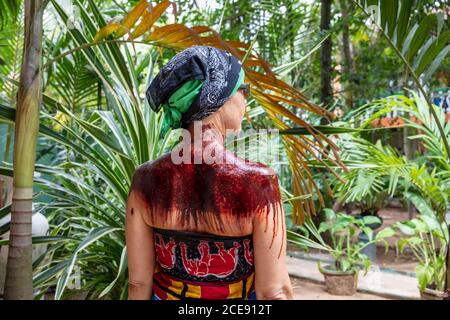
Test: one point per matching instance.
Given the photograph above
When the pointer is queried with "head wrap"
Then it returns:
(194, 84)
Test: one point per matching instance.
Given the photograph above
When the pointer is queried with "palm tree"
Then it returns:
(326, 92)
(18, 283)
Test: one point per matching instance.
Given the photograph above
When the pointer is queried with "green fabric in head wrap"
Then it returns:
(239, 82)
(178, 103)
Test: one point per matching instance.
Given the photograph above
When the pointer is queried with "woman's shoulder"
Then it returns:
(157, 171)
(150, 165)
(248, 168)
(260, 169)
(161, 169)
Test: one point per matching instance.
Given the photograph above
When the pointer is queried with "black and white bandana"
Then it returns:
(218, 69)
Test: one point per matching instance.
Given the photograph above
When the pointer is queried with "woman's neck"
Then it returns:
(205, 133)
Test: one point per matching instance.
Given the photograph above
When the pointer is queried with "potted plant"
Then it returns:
(427, 239)
(374, 176)
(369, 206)
(358, 190)
(341, 277)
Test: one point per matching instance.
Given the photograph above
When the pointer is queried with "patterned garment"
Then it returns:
(202, 266)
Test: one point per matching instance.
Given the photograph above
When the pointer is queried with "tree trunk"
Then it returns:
(326, 92)
(349, 65)
(18, 283)
(2, 182)
(447, 268)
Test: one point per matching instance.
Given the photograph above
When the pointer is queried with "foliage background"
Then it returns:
(89, 101)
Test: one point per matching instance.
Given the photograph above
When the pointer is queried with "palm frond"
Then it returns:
(9, 12)
(421, 45)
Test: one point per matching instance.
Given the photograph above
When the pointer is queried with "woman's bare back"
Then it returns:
(217, 198)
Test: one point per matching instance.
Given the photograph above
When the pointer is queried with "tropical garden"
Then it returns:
(358, 89)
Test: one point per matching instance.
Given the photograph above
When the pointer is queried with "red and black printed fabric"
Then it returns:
(214, 267)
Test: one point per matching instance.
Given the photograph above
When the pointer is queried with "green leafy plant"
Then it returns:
(375, 168)
(427, 239)
(375, 173)
(420, 43)
(87, 188)
(344, 246)
(425, 181)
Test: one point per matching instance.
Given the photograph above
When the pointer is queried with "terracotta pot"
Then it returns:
(338, 282)
(430, 294)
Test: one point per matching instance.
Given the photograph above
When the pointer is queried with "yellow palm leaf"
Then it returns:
(149, 18)
(131, 18)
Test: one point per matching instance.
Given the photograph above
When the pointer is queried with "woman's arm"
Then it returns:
(272, 280)
(141, 253)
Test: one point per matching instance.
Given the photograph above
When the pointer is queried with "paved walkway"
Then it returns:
(378, 281)
(310, 290)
